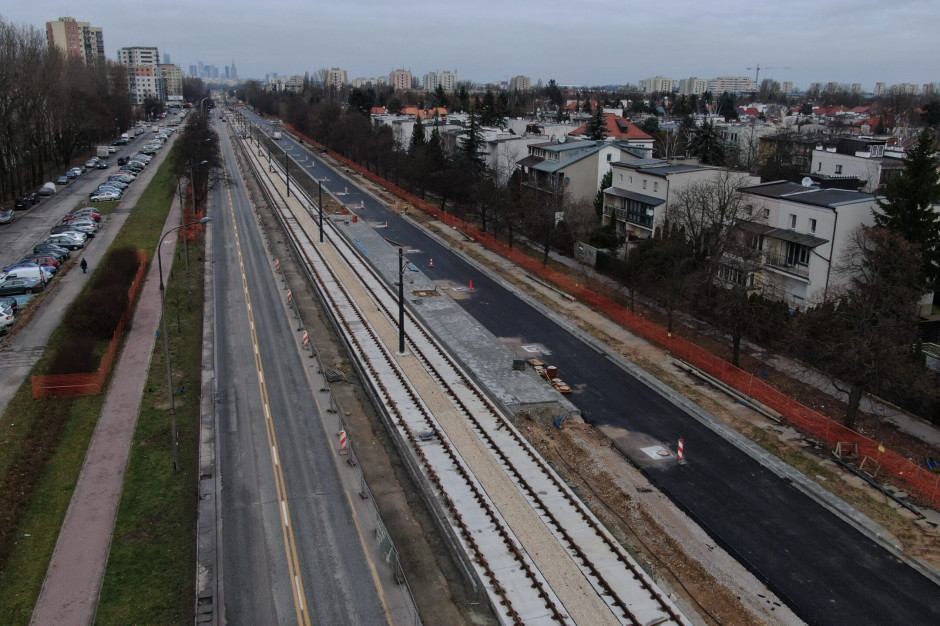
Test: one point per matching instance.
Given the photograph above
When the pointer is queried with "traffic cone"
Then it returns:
(471, 285)
(386, 224)
(431, 264)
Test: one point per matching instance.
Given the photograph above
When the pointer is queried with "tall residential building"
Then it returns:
(78, 40)
(400, 80)
(139, 55)
(335, 77)
(447, 80)
(787, 86)
(881, 89)
(732, 84)
(657, 84)
(173, 79)
(905, 88)
(520, 83)
(856, 87)
(693, 86)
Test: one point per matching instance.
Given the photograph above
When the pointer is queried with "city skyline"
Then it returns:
(847, 42)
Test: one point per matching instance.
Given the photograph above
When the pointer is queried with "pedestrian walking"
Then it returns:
(84, 266)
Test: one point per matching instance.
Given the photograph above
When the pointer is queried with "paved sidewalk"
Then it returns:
(70, 591)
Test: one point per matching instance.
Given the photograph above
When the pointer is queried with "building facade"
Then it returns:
(400, 80)
(172, 78)
(335, 77)
(865, 159)
(731, 84)
(77, 40)
(139, 55)
(693, 86)
(657, 84)
(520, 83)
(445, 80)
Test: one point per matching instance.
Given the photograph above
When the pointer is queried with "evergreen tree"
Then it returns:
(417, 137)
(707, 145)
(440, 97)
(472, 148)
(727, 107)
(908, 205)
(597, 126)
(606, 182)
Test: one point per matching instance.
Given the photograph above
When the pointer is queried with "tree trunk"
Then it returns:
(851, 410)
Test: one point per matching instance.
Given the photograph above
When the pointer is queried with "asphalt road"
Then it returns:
(828, 572)
(258, 571)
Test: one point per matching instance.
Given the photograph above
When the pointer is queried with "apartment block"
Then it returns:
(173, 78)
(520, 83)
(335, 77)
(693, 86)
(400, 80)
(79, 40)
(787, 86)
(657, 84)
(447, 80)
(731, 84)
(139, 55)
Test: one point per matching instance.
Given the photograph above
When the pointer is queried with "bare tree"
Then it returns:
(706, 212)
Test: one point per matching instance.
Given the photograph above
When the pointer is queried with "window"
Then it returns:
(838, 169)
(608, 157)
(765, 213)
(631, 180)
(792, 220)
(797, 254)
(619, 178)
(819, 166)
(812, 225)
(644, 184)
(655, 186)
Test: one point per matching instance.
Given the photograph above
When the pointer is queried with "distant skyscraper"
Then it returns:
(234, 71)
(193, 70)
(166, 58)
(78, 40)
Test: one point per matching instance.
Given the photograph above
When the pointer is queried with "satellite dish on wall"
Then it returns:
(807, 181)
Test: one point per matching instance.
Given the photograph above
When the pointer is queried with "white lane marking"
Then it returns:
(274, 454)
(284, 512)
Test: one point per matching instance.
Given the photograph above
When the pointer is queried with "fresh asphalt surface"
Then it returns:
(828, 572)
(338, 585)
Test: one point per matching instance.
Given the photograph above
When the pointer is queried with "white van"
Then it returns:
(27, 272)
(276, 135)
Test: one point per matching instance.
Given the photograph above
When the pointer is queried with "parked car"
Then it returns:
(41, 259)
(10, 303)
(47, 189)
(105, 196)
(120, 142)
(21, 204)
(115, 183)
(33, 198)
(58, 252)
(122, 160)
(85, 211)
(89, 227)
(127, 179)
(6, 216)
(7, 319)
(107, 189)
(111, 149)
(73, 173)
(74, 227)
(64, 240)
(90, 163)
(28, 270)
(18, 286)
(62, 180)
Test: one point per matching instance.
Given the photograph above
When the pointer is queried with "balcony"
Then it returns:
(780, 262)
(638, 217)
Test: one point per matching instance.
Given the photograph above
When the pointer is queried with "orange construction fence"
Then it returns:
(918, 479)
(91, 383)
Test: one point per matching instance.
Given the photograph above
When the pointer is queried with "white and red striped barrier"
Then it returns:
(343, 443)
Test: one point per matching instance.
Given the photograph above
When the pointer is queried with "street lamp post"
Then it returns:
(287, 173)
(166, 343)
(401, 302)
(320, 204)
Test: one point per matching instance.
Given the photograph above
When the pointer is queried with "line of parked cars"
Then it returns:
(35, 271)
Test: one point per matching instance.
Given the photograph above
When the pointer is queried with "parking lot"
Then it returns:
(42, 231)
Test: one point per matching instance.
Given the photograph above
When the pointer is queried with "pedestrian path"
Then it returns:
(73, 581)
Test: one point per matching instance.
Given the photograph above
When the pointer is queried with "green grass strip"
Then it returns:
(22, 575)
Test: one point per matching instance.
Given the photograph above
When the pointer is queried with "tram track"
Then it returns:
(524, 585)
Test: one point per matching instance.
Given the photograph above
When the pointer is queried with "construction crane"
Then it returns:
(757, 68)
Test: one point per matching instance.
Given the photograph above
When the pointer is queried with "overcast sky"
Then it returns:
(585, 42)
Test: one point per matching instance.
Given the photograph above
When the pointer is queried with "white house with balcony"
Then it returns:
(869, 160)
(641, 189)
(804, 234)
(575, 166)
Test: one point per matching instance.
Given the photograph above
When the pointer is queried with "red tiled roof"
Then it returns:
(377, 111)
(617, 128)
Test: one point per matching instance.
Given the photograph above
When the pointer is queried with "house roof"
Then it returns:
(661, 167)
(617, 128)
(803, 239)
(632, 195)
(814, 196)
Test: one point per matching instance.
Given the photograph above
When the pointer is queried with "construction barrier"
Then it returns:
(924, 483)
(343, 443)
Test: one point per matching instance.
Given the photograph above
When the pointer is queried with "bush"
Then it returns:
(75, 355)
(99, 309)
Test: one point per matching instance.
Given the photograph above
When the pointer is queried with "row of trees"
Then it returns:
(52, 109)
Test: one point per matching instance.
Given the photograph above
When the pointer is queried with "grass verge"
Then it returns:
(150, 576)
(60, 452)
